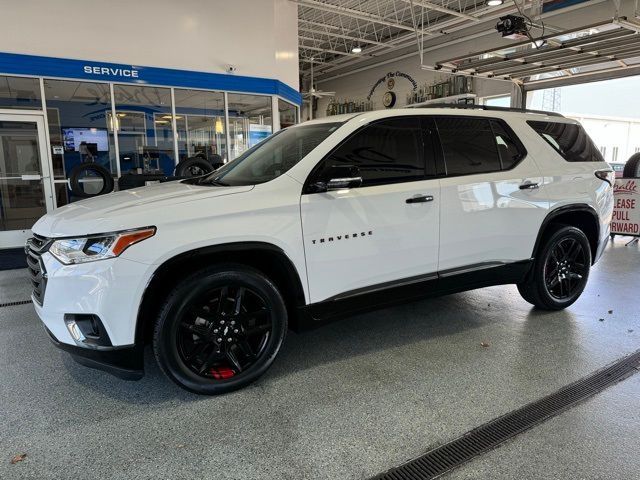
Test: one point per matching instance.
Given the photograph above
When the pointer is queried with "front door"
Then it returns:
(384, 232)
(25, 188)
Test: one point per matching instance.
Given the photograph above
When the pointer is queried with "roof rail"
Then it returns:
(464, 106)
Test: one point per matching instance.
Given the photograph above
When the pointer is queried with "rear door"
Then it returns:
(376, 235)
(493, 200)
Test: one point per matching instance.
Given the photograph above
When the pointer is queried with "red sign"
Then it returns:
(626, 207)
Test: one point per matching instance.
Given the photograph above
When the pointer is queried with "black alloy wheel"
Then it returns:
(565, 268)
(220, 329)
(560, 270)
(225, 332)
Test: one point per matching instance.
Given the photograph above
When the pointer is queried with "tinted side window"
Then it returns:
(388, 151)
(569, 140)
(468, 144)
(509, 150)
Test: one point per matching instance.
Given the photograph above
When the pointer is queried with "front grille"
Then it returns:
(34, 249)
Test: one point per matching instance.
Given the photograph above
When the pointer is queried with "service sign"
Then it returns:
(626, 207)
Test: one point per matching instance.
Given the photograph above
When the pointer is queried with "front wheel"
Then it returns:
(220, 329)
(560, 271)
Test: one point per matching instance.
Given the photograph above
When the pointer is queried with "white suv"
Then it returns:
(321, 220)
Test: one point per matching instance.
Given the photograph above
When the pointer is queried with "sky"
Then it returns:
(616, 98)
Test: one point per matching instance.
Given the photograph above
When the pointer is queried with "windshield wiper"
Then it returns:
(214, 182)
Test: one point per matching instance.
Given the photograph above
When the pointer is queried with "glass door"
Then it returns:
(25, 185)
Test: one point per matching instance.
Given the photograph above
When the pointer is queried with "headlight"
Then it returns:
(97, 247)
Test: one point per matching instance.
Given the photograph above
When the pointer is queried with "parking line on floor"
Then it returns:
(451, 455)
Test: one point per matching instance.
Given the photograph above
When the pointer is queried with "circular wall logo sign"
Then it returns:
(389, 99)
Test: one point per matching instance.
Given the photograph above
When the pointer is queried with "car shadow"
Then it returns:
(345, 339)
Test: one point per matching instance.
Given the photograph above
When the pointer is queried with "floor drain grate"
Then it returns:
(11, 304)
(479, 440)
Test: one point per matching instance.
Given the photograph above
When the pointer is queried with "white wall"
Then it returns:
(609, 133)
(358, 85)
(259, 37)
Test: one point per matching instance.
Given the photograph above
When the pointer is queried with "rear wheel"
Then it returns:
(220, 329)
(560, 271)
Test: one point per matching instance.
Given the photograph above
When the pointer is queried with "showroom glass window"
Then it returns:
(80, 130)
(388, 151)
(21, 93)
(200, 125)
(250, 121)
(288, 113)
(145, 129)
(469, 145)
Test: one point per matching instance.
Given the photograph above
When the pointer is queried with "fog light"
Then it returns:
(87, 331)
(75, 331)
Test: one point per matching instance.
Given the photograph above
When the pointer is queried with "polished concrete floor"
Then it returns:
(343, 402)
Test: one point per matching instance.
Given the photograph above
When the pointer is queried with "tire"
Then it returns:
(210, 352)
(550, 291)
(193, 167)
(75, 176)
(632, 167)
(216, 161)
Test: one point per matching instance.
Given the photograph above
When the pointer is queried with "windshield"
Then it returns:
(272, 157)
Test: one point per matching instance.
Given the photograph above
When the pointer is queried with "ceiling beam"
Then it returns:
(340, 35)
(312, 60)
(435, 30)
(348, 12)
(449, 26)
(582, 77)
(441, 9)
(319, 24)
(335, 52)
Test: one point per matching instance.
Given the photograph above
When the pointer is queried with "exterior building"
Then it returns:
(617, 137)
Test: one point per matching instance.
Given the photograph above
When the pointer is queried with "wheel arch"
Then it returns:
(268, 258)
(582, 216)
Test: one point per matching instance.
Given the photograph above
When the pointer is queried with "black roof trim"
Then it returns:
(463, 106)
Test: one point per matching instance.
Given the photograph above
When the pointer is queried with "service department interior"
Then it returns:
(320, 239)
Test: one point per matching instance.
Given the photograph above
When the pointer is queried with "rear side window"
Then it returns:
(569, 140)
(389, 151)
(509, 149)
(469, 145)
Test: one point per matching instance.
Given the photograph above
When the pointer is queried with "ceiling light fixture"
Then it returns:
(356, 49)
(493, 3)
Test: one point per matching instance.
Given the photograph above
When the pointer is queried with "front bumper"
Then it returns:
(126, 363)
(107, 290)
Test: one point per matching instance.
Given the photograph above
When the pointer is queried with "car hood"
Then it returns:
(127, 209)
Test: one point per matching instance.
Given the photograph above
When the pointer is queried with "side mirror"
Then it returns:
(338, 177)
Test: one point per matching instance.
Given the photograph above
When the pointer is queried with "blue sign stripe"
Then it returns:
(18, 64)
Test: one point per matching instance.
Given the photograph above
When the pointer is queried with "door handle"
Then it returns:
(529, 186)
(420, 199)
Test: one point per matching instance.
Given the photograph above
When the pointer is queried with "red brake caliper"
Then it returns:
(222, 373)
